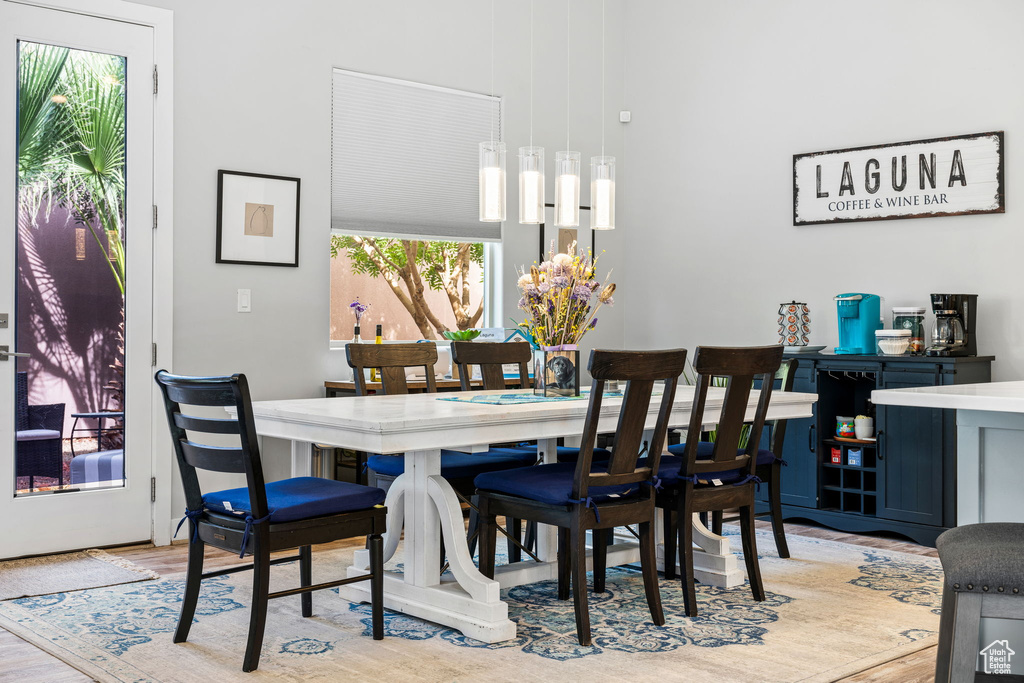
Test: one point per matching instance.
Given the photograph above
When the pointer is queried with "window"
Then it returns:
(406, 238)
(377, 270)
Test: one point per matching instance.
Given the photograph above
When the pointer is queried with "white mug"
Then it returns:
(864, 427)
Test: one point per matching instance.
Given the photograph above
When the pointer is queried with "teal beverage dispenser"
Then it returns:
(859, 316)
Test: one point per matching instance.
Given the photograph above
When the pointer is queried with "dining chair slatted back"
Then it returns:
(768, 470)
(739, 367)
(490, 357)
(392, 360)
(192, 445)
(260, 518)
(553, 494)
(640, 370)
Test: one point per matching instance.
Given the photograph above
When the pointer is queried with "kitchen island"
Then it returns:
(989, 475)
(989, 437)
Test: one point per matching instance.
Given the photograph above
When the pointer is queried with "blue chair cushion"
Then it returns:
(706, 448)
(548, 484)
(90, 468)
(458, 465)
(568, 453)
(298, 498)
(670, 465)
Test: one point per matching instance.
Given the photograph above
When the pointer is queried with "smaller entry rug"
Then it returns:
(832, 610)
(65, 573)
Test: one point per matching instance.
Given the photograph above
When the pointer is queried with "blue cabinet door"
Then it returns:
(911, 454)
(799, 485)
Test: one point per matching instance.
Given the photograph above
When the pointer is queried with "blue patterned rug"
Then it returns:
(830, 611)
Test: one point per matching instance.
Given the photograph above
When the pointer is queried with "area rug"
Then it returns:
(67, 572)
(832, 610)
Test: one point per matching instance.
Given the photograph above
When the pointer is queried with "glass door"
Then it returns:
(75, 280)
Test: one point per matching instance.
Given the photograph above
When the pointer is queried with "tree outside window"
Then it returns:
(415, 288)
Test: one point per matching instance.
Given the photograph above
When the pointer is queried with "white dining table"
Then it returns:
(425, 505)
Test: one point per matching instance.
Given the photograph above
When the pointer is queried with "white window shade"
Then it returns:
(404, 161)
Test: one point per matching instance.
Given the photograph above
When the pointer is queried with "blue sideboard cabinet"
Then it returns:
(903, 482)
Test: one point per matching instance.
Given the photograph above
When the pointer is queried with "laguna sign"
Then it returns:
(939, 177)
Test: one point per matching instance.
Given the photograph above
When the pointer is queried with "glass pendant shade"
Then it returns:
(602, 193)
(492, 182)
(531, 185)
(567, 189)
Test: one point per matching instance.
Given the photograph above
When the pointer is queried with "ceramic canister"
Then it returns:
(794, 324)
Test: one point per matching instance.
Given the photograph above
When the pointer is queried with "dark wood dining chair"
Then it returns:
(260, 518)
(586, 495)
(491, 358)
(768, 469)
(688, 480)
(393, 360)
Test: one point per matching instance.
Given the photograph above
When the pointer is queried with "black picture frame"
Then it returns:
(250, 229)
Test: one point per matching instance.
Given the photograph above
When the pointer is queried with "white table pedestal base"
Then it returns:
(713, 563)
(425, 504)
(429, 508)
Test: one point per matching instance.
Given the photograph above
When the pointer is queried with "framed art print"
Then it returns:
(257, 219)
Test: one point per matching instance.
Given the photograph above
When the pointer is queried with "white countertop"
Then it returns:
(1003, 397)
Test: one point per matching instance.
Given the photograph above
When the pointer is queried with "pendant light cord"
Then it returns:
(602, 74)
(492, 73)
(531, 76)
(568, 96)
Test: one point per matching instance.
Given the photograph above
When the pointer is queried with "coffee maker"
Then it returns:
(859, 316)
(956, 320)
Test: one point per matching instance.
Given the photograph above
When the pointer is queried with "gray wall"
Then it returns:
(724, 93)
(252, 89)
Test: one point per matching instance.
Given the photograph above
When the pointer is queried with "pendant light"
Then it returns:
(602, 168)
(492, 162)
(531, 164)
(567, 164)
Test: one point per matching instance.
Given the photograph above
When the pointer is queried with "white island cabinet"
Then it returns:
(990, 440)
(990, 462)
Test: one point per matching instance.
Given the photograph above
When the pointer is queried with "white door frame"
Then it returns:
(162, 22)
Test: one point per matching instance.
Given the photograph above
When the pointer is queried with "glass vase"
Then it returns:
(556, 371)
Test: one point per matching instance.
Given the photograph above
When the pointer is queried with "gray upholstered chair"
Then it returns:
(984, 567)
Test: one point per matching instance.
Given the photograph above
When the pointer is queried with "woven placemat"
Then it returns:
(509, 399)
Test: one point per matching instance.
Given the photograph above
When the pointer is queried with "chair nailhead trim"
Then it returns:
(956, 586)
(970, 586)
(984, 588)
(1000, 589)
(1016, 590)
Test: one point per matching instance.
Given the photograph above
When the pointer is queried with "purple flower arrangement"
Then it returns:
(558, 295)
(358, 307)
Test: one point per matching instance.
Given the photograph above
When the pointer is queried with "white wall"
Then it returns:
(253, 93)
(724, 93)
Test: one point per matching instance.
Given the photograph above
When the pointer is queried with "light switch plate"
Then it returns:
(245, 301)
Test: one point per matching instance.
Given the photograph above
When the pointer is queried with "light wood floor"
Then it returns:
(22, 662)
